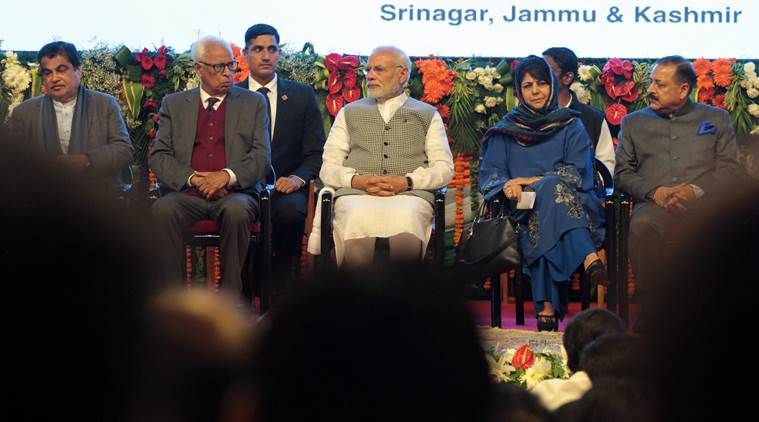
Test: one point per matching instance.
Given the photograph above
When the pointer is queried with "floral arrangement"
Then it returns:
(526, 367)
(243, 70)
(16, 79)
(617, 80)
(341, 79)
(742, 98)
(437, 79)
(714, 77)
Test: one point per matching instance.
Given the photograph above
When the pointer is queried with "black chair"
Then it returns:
(257, 268)
(616, 205)
(438, 229)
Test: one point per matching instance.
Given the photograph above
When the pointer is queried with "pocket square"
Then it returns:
(707, 128)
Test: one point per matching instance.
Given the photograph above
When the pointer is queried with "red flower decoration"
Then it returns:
(349, 80)
(351, 94)
(150, 103)
(335, 102)
(162, 73)
(148, 81)
(514, 64)
(334, 82)
(160, 61)
(617, 80)
(147, 62)
(444, 111)
(155, 118)
(151, 134)
(331, 60)
(139, 56)
(162, 50)
(523, 358)
(614, 113)
(719, 101)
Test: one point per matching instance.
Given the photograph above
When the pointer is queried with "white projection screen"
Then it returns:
(593, 28)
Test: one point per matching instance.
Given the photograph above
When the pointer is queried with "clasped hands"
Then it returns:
(211, 184)
(380, 185)
(514, 187)
(675, 198)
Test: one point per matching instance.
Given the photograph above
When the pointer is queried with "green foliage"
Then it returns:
(460, 128)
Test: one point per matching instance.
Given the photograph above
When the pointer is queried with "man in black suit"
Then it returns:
(297, 144)
(563, 61)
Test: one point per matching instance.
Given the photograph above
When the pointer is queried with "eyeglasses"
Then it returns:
(219, 67)
(379, 70)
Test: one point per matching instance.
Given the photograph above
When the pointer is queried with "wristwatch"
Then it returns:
(409, 183)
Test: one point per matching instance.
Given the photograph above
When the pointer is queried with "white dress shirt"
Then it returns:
(253, 85)
(64, 116)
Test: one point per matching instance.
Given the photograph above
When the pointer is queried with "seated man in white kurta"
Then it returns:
(385, 156)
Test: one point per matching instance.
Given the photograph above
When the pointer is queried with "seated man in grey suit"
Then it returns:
(672, 157)
(385, 154)
(211, 154)
(297, 143)
(80, 128)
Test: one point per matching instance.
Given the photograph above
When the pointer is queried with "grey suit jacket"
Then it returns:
(246, 139)
(695, 144)
(108, 145)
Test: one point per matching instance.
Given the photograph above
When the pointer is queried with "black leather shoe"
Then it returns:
(597, 274)
(548, 323)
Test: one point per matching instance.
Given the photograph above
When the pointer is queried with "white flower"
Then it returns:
(749, 68)
(510, 354)
(485, 80)
(755, 82)
(480, 108)
(746, 83)
(539, 371)
(752, 92)
(755, 131)
(501, 368)
(583, 95)
(471, 75)
(753, 109)
(585, 73)
(498, 88)
(491, 102)
(479, 71)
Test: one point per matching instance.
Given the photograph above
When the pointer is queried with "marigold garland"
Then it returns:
(243, 70)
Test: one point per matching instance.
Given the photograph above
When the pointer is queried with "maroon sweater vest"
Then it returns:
(208, 152)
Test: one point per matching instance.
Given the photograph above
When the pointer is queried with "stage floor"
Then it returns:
(481, 311)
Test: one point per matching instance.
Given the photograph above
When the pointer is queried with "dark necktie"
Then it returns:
(211, 101)
(264, 90)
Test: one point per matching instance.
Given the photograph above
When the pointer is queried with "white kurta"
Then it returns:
(361, 216)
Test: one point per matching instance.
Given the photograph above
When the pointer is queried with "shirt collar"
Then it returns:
(204, 96)
(395, 101)
(254, 85)
(59, 104)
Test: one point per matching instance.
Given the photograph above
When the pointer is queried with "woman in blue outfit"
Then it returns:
(542, 148)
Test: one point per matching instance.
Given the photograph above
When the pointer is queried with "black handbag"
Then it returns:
(491, 245)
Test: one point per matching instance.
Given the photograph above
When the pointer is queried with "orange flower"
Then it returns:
(242, 64)
(702, 66)
(444, 110)
(436, 78)
(705, 82)
(723, 72)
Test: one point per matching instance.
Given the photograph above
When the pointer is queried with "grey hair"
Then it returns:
(199, 47)
(403, 59)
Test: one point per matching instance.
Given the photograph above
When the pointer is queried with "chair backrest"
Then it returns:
(602, 178)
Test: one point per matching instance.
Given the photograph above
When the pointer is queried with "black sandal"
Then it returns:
(548, 322)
